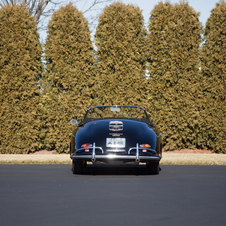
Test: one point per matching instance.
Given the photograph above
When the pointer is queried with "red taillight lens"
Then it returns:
(145, 146)
(86, 146)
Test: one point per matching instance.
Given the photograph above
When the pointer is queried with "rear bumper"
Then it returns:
(112, 157)
(109, 158)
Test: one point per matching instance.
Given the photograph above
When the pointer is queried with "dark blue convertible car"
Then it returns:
(116, 135)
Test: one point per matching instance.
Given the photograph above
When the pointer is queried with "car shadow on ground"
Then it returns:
(115, 170)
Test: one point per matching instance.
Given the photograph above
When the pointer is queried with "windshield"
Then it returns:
(116, 112)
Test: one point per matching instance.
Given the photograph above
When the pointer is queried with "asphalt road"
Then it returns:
(51, 195)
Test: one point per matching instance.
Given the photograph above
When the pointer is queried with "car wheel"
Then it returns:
(77, 167)
(153, 167)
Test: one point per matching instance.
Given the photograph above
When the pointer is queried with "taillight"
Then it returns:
(145, 146)
(86, 146)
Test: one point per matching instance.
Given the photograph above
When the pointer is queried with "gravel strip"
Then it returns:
(193, 159)
(32, 159)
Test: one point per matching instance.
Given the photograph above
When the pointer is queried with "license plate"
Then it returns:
(115, 142)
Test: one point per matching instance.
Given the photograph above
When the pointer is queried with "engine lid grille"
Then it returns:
(116, 125)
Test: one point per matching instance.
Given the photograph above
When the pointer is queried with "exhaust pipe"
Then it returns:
(137, 153)
(93, 155)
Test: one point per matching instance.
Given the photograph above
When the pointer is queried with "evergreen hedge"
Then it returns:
(121, 54)
(20, 70)
(174, 95)
(214, 79)
(69, 76)
(184, 92)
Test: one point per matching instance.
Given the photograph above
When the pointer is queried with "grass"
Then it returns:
(168, 159)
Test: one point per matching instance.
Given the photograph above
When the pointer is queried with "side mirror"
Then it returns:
(73, 122)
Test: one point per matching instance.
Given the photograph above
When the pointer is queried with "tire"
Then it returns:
(77, 167)
(153, 168)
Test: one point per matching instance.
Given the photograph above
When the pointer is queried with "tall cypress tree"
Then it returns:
(70, 74)
(121, 53)
(174, 39)
(20, 70)
(214, 79)
(157, 59)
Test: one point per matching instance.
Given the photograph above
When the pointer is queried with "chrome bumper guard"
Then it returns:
(93, 147)
(137, 148)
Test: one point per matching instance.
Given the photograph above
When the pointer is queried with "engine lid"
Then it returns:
(123, 126)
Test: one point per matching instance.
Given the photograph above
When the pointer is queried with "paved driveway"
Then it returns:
(51, 195)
